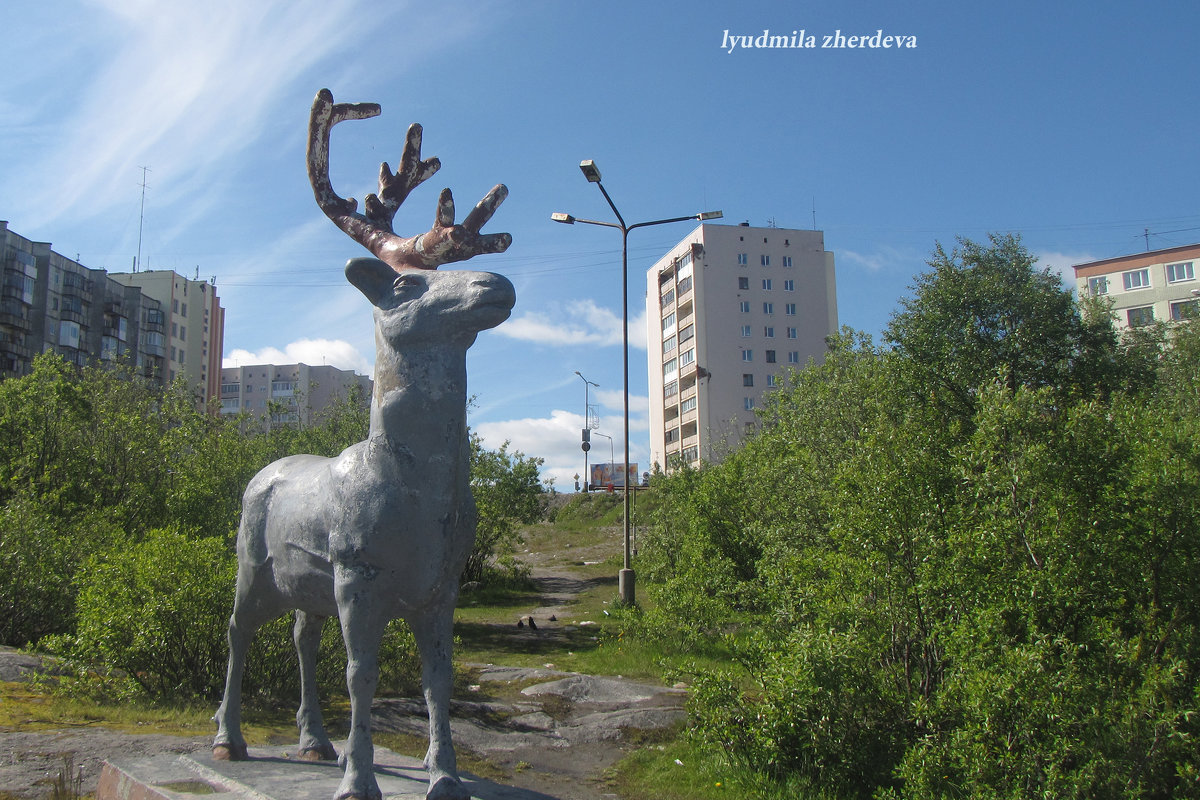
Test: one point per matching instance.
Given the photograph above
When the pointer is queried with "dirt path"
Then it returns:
(557, 737)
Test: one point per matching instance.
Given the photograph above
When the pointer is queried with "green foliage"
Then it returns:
(962, 567)
(508, 493)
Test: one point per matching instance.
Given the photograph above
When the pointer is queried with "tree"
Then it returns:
(508, 493)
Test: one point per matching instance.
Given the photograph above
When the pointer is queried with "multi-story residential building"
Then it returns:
(728, 310)
(1156, 285)
(51, 302)
(292, 394)
(193, 327)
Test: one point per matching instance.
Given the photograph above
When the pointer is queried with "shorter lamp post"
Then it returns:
(612, 458)
(590, 171)
(586, 445)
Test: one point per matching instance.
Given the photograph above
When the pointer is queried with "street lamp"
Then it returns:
(590, 171)
(586, 426)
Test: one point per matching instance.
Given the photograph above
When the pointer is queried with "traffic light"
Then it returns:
(587, 440)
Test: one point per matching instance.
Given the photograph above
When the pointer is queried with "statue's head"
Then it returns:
(418, 305)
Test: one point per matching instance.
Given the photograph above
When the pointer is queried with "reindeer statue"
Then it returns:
(382, 530)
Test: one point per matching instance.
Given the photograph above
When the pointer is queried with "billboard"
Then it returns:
(605, 474)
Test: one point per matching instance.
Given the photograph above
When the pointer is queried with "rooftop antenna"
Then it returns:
(1146, 233)
(141, 218)
(814, 212)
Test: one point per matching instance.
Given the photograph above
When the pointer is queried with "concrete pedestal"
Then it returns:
(270, 774)
(626, 583)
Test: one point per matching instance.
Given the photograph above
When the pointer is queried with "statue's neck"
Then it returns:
(419, 391)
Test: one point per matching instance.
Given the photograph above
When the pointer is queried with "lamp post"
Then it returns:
(586, 426)
(626, 577)
(612, 457)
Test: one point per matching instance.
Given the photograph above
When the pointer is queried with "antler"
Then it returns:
(444, 243)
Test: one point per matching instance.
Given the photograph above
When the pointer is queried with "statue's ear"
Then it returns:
(372, 277)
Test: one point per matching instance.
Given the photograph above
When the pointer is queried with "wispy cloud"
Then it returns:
(314, 352)
(183, 86)
(580, 322)
(877, 260)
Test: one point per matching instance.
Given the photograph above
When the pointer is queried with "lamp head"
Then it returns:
(590, 171)
(559, 216)
(706, 215)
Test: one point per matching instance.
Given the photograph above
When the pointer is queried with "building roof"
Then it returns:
(1108, 265)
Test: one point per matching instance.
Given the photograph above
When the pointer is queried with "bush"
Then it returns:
(158, 612)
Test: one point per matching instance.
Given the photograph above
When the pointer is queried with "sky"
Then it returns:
(1072, 124)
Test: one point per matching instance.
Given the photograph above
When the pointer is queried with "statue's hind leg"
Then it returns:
(248, 616)
(314, 741)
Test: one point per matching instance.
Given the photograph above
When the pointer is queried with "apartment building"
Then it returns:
(291, 394)
(728, 310)
(192, 327)
(51, 302)
(1156, 285)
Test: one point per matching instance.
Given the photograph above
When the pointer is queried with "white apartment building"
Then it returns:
(291, 394)
(728, 310)
(1156, 285)
(191, 327)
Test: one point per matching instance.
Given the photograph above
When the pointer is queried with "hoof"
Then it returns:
(448, 788)
(323, 752)
(229, 752)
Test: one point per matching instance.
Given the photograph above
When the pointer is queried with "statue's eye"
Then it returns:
(405, 282)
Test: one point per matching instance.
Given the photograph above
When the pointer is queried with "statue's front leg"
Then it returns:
(363, 621)
(434, 634)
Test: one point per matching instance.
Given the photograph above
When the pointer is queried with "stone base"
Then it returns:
(271, 773)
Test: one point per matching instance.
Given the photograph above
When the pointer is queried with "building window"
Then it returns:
(743, 259)
(790, 309)
(669, 368)
(1185, 309)
(747, 379)
(787, 261)
(748, 403)
(770, 356)
(182, 333)
(687, 357)
(687, 405)
(668, 321)
(743, 283)
(672, 436)
(791, 333)
(771, 382)
(1098, 286)
(1180, 272)
(765, 260)
(230, 405)
(671, 389)
(669, 345)
(769, 331)
(685, 284)
(789, 286)
(687, 333)
(768, 308)
(793, 357)
(68, 334)
(746, 332)
(1140, 316)
(668, 297)
(747, 355)
(1137, 279)
(172, 353)
(767, 284)
(745, 306)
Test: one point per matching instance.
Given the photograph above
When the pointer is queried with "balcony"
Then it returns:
(12, 319)
(158, 350)
(689, 416)
(16, 350)
(71, 316)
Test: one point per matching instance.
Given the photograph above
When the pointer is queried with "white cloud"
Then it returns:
(314, 352)
(1062, 263)
(580, 322)
(556, 440)
(878, 260)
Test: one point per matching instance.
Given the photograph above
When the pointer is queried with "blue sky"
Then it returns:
(1073, 124)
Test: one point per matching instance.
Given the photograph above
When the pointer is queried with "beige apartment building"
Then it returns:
(289, 394)
(728, 310)
(192, 327)
(1156, 285)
